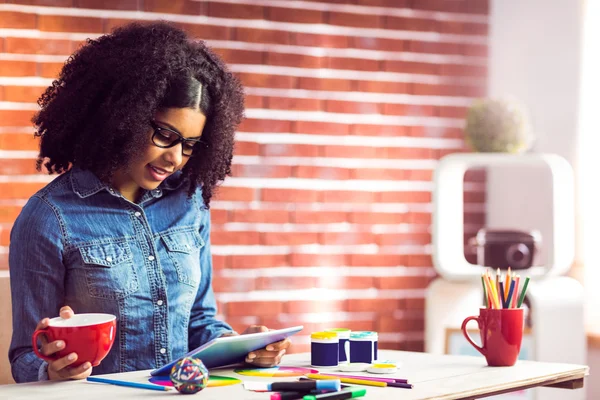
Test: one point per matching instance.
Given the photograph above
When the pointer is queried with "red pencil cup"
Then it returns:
(501, 335)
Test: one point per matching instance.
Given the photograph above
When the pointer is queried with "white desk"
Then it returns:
(433, 376)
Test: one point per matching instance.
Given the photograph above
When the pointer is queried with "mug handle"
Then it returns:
(464, 331)
(37, 352)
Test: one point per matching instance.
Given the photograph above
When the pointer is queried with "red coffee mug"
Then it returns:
(91, 336)
(501, 334)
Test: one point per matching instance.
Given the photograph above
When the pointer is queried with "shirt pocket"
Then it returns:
(109, 269)
(183, 249)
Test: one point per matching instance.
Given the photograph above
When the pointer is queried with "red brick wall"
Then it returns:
(326, 221)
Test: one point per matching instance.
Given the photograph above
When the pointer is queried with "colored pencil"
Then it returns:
(369, 378)
(523, 291)
(485, 295)
(128, 384)
(349, 380)
(516, 294)
(510, 293)
(502, 298)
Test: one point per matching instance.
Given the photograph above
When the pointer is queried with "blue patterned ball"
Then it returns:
(189, 375)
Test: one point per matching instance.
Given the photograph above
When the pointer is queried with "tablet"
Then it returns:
(231, 349)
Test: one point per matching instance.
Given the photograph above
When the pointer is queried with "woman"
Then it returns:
(140, 125)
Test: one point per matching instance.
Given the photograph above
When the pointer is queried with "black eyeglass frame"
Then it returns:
(196, 143)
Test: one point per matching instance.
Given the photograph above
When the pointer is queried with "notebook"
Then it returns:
(231, 349)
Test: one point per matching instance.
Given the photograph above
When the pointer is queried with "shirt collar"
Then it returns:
(85, 183)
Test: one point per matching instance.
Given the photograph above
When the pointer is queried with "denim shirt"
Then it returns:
(78, 242)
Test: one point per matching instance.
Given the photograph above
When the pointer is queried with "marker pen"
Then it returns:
(342, 394)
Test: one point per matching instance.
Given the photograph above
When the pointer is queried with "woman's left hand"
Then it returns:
(270, 355)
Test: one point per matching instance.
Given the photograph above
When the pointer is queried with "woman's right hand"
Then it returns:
(59, 369)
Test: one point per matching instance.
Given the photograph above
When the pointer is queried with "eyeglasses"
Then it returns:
(166, 138)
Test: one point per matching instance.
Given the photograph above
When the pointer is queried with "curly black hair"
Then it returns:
(96, 115)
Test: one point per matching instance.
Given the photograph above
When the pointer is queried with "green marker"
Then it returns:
(522, 297)
(342, 394)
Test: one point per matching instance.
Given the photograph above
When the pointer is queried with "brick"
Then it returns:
(239, 324)
(107, 4)
(254, 35)
(346, 282)
(352, 107)
(376, 260)
(8, 214)
(289, 150)
(354, 20)
(419, 217)
(330, 85)
(19, 190)
(453, 112)
(174, 7)
(56, 23)
(411, 24)
(18, 141)
(268, 81)
(26, 94)
(399, 239)
(404, 197)
(357, 64)
(49, 70)
(342, 196)
(425, 89)
(421, 175)
(349, 151)
(261, 171)
(206, 32)
(17, 20)
(383, 87)
(256, 308)
(411, 67)
(316, 217)
(21, 166)
(476, 50)
(237, 56)
(404, 152)
(290, 103)
(295, 15)
(474, 218)
(229, 10)
(296, 60)
(289, 238)
(321, 128)
(318, 40)
(309, 306)
(218, 216)
(254, 101)
(305, 171)
(258, 261)
(4, 236)
(379, 130)
(17, 68)
(265, 125)
(474, 197)
(385, 3)
(51, 3)
(290, 195)
(220, 262)
(440, 5)
(401, 282)
(318, 260)
(366, 305)
(419, 260)
(418, 110)
(451, 27)
(258, 216)
(473, 71)
(377, 218)
(16, 117)
(415, 303)
(475, 28)
(247, 148)
(346, 238)
(379, 174)
(391, 324)
(37, 46)
(381, 44)
(229, 193)
(285, 283)
(233, 284)
(235, 238)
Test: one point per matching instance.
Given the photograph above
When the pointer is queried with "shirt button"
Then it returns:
(159, 302)
(137, 213)
(163, 351)
(109, 258)
(151, 258)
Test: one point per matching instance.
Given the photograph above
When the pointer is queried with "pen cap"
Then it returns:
(324, 337)
(329, 384)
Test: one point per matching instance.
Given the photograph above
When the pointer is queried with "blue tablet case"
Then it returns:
(231, 349)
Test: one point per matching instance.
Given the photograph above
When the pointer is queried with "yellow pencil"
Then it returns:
(348, 380)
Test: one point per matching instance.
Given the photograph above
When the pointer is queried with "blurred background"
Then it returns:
(326, 221)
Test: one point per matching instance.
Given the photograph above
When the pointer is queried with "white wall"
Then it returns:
(535, 56)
